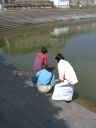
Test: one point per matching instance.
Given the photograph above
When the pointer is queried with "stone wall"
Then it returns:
(83, 2)
(73, 3)
(28, 4)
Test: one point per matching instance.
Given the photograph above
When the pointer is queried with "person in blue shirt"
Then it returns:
(45, 79)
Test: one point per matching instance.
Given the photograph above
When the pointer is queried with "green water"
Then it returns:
(76, 41)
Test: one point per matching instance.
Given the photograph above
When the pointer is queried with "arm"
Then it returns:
(44, 59)
(53, 80)
(61, 73)
(38, 73)
(59, 80)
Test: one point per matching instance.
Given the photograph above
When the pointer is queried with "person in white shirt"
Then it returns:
(64, 87)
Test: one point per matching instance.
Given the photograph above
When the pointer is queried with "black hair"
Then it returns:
(44, 50)
(49, 67)
(59, 56)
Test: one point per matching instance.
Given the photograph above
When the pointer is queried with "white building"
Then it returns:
(61, 3)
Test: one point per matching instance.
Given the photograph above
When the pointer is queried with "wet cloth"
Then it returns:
(44, 88)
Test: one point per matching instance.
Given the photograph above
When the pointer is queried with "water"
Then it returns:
(76, 41)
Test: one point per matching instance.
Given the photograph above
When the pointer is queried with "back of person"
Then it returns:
(45, 79)
(67, 70)
(38, 63)
(40, 60)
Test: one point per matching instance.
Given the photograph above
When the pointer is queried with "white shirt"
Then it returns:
(66, 71)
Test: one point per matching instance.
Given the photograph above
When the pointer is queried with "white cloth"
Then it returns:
(65, 89)
(44, 89)
(66, 70)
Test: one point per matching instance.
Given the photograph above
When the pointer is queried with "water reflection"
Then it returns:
(24, 40)
(59, 31)
(76, 41)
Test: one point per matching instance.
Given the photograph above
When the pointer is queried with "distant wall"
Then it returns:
(58, 3)
(85, 3)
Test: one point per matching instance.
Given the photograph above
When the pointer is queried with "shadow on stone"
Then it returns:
(75, 96)
(22, 107)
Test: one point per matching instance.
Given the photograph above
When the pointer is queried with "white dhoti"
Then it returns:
(63, 91)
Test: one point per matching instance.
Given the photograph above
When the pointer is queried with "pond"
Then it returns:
(77, 41)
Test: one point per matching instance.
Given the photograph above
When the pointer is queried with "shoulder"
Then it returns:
(61, 62)
(40, 54)
(65, 62)
(44, 55)
(39, 72)
(43, 71)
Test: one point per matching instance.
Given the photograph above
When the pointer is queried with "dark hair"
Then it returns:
(59, 56)
(44, 50)
(49, 67)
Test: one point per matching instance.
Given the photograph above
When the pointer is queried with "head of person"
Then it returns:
(49, 67)
(44, 50)
(59, 56)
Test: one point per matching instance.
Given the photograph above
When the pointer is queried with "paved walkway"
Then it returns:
(23, 107)
(23, 17)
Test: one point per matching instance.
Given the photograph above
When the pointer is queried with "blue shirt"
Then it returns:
(44, 77)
